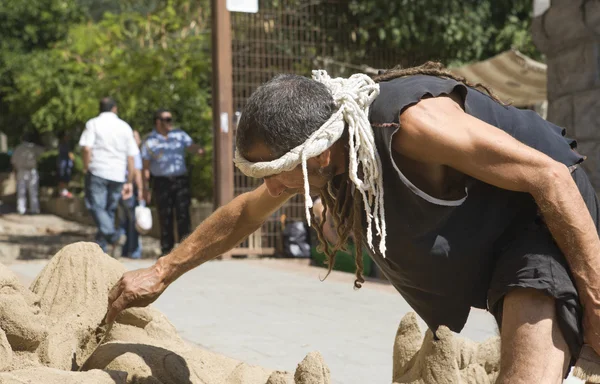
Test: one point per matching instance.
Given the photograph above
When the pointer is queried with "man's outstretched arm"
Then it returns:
(438, 131)
(220, 232)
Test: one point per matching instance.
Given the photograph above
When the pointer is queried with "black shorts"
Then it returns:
(533, 260)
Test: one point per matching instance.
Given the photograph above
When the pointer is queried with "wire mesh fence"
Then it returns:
(291, 36)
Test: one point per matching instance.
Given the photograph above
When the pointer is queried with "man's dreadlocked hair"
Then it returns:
(432, 68)
(345, 206)
(345, 202)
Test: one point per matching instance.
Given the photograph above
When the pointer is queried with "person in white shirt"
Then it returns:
(24, 160)
(108, 149)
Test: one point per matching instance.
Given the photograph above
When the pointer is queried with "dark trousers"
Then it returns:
(133, 245)
(172, 196)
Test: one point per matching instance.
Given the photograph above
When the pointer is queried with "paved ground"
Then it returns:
(273, 312)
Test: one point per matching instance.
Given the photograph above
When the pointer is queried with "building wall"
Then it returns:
(568, 33)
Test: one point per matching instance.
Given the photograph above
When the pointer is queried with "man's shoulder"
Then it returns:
(125, 125)
(92, 120)
(179, 133)
(150, 140)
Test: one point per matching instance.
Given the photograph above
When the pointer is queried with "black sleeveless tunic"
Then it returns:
(441, 255)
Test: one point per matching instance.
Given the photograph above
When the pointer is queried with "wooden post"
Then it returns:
(222, 104)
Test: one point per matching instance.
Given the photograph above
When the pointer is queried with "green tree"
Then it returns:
(144, 61)
(27, 26)
(451, 31)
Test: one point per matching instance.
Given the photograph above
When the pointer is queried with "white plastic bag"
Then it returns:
(143, 218)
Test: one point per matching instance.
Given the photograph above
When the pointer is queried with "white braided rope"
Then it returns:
(353, 97)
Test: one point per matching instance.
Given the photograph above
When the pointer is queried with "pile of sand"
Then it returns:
(48, 332)
(447, 360)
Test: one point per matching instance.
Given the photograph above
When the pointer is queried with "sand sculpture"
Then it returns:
(448, 360)
(49, 331)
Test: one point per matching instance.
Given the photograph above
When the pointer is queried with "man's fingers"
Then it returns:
(115, 291)
(115, 308)
(115, 301)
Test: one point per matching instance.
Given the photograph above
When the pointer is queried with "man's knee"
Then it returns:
(533, 347)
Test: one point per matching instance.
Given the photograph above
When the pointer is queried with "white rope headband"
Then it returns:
(353, 97)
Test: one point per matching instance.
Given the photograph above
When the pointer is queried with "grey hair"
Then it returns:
(283, 113)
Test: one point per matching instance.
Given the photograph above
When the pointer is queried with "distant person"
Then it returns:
(24, 160)
(131, 198)
(163, 155)
(64, 163)
(108, 149)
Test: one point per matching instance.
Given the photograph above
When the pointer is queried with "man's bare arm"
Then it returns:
(195, 149)
(220, 232)
(86, 156)
(130, 169)
(438, 131)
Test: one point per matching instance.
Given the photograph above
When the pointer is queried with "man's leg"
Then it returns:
(126, 222)
(21, 191)
(112, 202)
(164, 203)
(182, 207)
(136, 243)
(533, 348)
(96, 196)
(34, 182)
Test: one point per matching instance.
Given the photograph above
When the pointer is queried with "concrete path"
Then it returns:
(272, 313)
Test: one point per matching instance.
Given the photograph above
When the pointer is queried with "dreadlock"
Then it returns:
(345, 207)
(432, 68)
(344, 203)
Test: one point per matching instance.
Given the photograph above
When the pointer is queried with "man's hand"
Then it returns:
(196, 149)
(137, 288)
(127, 191)
(147, 195)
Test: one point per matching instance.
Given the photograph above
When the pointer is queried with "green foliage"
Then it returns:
(201, 175)
(451, 31)
(146, 61)
(35, 24)
(48, 168)
(5, 165)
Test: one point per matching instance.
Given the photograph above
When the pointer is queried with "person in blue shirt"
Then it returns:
(163, 155)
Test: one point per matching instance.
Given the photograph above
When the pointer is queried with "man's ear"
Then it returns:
(324, 159)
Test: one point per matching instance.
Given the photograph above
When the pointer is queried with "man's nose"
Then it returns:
(275, 187)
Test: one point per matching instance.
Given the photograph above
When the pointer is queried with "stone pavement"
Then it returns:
(272, 313)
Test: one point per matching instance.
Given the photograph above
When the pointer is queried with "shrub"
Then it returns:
(48, 168)
(5, 165)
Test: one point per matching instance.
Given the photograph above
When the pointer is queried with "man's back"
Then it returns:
(111, 141)
(25, 155)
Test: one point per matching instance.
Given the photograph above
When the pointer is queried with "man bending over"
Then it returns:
(462, 202)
